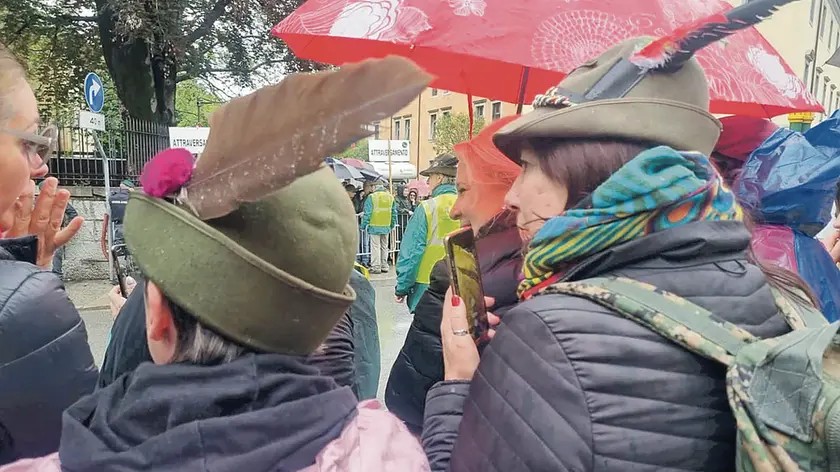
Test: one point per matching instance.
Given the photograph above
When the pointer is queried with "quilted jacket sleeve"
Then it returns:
(45, 361)
(441, 422)
(526, 410)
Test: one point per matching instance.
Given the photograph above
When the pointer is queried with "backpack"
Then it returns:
(783, 391)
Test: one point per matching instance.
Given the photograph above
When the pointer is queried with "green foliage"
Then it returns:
(194, 104)
(148, 48)
(56, 51)
(452, 129)
(357, 150)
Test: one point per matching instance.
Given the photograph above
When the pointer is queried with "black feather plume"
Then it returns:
(678, 47)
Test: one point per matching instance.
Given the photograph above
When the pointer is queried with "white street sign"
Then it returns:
(192, 139)
(89, 120)
(378, 151)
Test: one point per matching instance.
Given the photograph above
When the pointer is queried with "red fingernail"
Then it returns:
(456, 300)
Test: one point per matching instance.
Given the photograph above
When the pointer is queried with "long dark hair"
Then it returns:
(582, 165)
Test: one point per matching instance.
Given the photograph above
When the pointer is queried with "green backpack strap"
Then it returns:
(797, 315)
(673, 317)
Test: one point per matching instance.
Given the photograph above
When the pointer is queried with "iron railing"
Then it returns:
(129, 146)
(396, 236)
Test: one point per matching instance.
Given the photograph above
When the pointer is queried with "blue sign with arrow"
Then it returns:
(94, 92)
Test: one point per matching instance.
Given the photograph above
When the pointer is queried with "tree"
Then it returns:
(149, 47)
(451, 129)
(56, 50)
(357, 150)
(194, 104)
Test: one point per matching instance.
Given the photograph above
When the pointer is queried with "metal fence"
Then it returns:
(133, 143)
(396, 236)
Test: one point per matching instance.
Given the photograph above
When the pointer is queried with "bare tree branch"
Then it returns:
(207, 23)
(195, 74)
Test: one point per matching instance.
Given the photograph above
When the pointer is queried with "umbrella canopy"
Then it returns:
(357, 164)
(343, 171)
(465, 42)
(420, 186)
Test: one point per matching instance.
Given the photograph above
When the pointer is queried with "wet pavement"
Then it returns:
(394, 319)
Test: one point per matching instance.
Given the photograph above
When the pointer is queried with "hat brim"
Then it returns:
(679, 125)
(190, 260)
(447, 171)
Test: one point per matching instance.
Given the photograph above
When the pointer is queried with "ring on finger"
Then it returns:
(460, 332)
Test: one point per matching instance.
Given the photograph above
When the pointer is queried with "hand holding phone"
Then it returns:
(466, 281)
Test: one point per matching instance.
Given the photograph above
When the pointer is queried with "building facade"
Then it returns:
(417, 121)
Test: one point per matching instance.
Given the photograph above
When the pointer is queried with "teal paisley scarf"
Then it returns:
(657, 190)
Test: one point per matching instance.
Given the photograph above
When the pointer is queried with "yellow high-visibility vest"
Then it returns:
(438, 226)
(383, 205)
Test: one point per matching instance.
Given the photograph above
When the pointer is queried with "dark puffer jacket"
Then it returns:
(568, 385)
(419, 364)
(45, 361)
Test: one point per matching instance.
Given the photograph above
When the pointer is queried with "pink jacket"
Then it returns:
(374, 441)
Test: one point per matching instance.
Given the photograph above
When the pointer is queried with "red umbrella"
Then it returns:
(490, 49)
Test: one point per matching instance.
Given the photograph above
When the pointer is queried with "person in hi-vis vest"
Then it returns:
(422, 243)
(379, 218)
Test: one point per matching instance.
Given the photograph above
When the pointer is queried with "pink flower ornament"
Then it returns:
(167, 172)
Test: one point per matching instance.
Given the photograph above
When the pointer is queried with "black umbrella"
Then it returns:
(343, 171)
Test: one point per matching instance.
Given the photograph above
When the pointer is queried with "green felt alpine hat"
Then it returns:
(272, 275)
(444, 164)
(664, 107)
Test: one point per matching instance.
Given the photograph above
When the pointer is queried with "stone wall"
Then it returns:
(83, 258)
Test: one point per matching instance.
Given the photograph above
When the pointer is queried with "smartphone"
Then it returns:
(466, 281)
(115, 251)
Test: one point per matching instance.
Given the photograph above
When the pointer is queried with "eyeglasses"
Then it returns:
(39, 147)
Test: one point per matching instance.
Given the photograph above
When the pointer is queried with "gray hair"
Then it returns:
(200, 345)
(447, 180)
(11, 74)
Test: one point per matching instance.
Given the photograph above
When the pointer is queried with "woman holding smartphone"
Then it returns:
(484, 177)
(609, 187)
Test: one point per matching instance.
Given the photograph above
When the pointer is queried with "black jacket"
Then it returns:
(128, 348)
(419, 364)
(261, 412)
(45, 361)
(569, 385)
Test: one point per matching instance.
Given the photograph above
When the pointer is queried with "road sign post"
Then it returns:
(94, 121)
(94, 92)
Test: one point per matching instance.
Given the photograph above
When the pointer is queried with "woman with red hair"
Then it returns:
(484, 177)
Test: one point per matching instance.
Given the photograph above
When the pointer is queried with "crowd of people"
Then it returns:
(251, 341)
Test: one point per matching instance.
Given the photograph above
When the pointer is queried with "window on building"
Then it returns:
(432, 126)
(807, 76)
(497, 110)
(434, 92)
(824, 90)
(829, 107)
(823, 20)
(830, 32)
(446, 112)
(445, 92)
(376, 131)
(396, 128)
(815, 86)
(813, 10)
(479, 110)
(407, 134)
